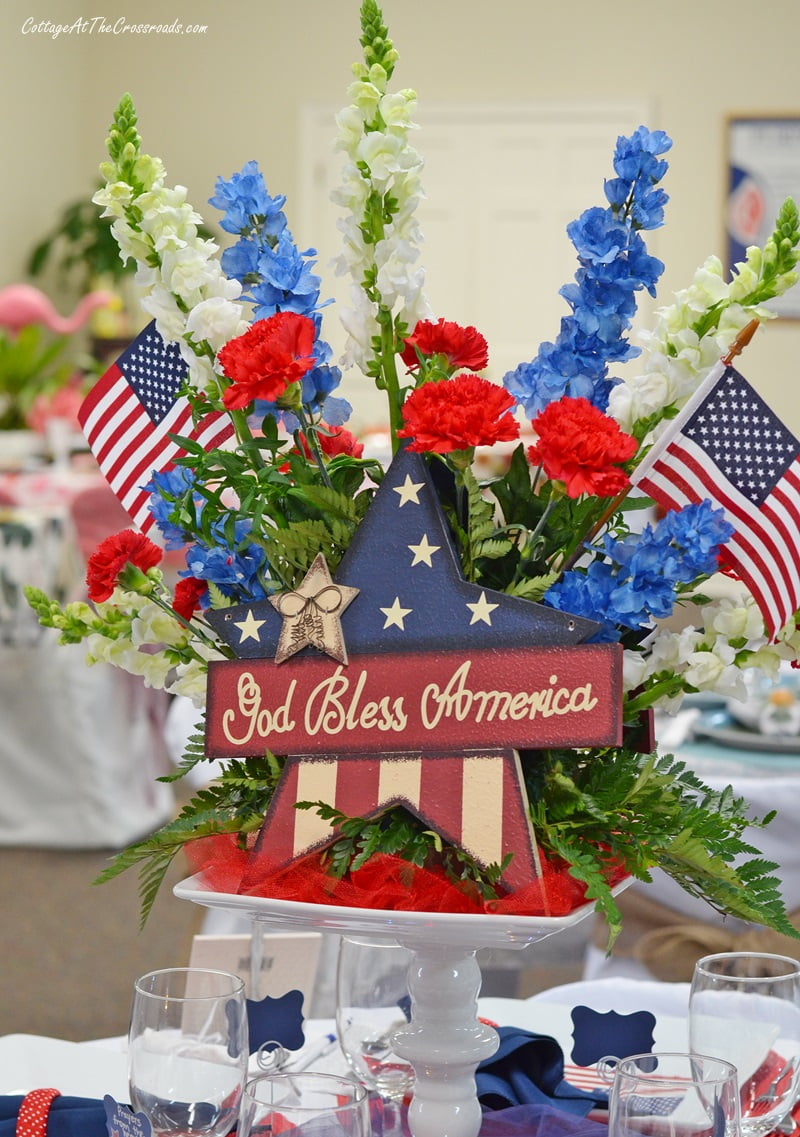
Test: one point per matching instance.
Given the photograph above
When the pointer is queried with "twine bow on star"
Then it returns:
(312, 614)
(307, 613)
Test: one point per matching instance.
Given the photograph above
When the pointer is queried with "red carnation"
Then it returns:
(464, 347)
(186, 599)
(339, 440)
(107, 564)
(270, 356)
(332, 440)
(582, 447)
(457, 414)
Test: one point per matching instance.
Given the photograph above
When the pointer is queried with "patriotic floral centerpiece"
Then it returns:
(245, 463)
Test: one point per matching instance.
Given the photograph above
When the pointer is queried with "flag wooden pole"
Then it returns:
(737, 347)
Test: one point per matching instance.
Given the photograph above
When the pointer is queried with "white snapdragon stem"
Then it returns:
(380, 244)
(678, 359)
(181, 282)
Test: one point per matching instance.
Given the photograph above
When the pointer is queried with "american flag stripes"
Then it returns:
(130, 413)
(727, 446)
(474, 800)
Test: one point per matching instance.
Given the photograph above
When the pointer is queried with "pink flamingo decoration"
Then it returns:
(22, 304)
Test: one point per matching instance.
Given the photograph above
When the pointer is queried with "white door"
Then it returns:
(501, 184)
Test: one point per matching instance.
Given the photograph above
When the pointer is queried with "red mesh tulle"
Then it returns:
(384, 882)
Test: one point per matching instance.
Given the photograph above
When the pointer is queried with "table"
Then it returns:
(81, 748)
(92, 1069)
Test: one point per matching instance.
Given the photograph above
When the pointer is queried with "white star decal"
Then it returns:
(409, 491)
(482, 610)
(248, 627)
(396, 615)
(423, 552)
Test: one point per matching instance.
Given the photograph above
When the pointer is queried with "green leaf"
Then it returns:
(651, 810)
(193, 753)
(398, 833)
(325, 501)
(492, 548)
(533, 587)
(234, 804)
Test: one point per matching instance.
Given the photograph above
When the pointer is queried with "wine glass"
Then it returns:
(673, 1095)
(372, 1002)
(745, 1007)
(311, 1104)
(188, 1051)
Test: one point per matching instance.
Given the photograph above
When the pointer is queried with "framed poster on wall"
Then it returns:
(763, 154)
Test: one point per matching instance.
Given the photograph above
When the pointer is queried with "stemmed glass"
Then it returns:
(372, 1002)
(315, 1105)
(673, 1095)
(188, 1051)
(745, 1007)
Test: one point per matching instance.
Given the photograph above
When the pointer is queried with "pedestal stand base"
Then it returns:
(444, 1040)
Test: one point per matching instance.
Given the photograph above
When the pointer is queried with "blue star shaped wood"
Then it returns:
(412, 593)
(441, 683)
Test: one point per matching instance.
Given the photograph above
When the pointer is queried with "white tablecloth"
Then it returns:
(80, 747)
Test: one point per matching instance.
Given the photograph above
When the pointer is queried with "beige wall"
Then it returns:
(207, 103)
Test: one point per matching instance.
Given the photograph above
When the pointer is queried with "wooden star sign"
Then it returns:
(397, 682)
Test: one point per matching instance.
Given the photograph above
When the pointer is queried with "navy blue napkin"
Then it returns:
(528, 1069)
(69, 1117)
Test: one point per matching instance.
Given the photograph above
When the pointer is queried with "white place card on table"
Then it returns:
(288, 962)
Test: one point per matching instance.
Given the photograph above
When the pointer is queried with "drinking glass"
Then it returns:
(745, 1007)
(311, 1104)
(188, 1051)
(372, 1002)
(673, 1095)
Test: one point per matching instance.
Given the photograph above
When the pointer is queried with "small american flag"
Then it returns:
(130, 413)
(727, 446)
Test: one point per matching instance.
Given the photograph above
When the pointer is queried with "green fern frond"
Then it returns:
(194, 752)
(648, 811)
(294, 548)
(155, 854)
(492, 548)
(328, 501)
(217, 596)
(532, 587)
(235, 804)
(480, 537)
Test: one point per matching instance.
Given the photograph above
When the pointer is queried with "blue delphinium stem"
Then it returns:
(637, 579)
(614, 266)
(276, 277)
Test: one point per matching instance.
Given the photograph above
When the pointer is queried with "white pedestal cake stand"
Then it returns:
(444, 1041)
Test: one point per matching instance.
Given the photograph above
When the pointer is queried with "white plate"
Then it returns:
(76, 1069)
(455, 928)
(718, 726)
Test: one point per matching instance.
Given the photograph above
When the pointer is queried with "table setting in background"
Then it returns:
(760, 729)
(204, 1060)
(87, 746)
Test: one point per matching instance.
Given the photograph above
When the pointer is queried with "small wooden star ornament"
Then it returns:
(312, 614)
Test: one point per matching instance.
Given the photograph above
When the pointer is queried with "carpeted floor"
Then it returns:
(70, 950)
